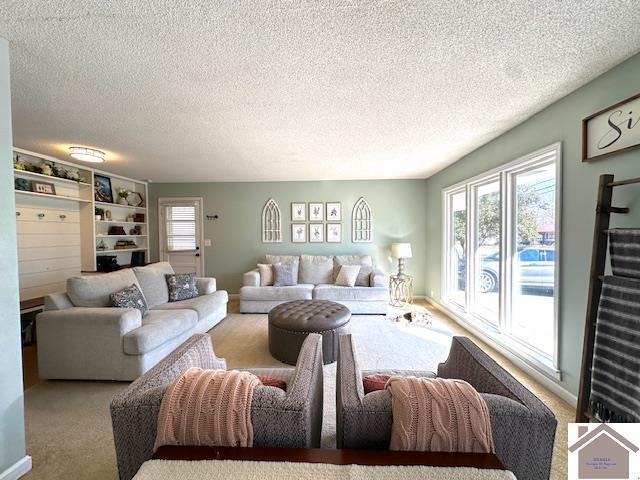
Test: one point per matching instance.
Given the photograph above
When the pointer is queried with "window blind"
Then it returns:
(180, 228)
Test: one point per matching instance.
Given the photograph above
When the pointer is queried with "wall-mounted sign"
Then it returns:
(612, 130)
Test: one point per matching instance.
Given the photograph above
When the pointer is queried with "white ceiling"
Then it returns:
(269, 90)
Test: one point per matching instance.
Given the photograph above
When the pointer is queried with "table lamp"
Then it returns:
(401, 251)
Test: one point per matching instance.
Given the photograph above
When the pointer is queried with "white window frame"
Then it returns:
(543, 362)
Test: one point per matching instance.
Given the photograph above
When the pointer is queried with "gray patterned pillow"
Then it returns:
(285, 274)
(130, 297)
(182, 286)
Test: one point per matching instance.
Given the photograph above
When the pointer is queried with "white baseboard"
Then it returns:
(547, 382)
(18, 469)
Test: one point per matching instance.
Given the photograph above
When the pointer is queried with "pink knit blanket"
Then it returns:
(438, 415)
(207, 407)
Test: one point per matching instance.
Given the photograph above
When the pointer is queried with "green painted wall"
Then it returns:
(559, 122)
(12, 442)
(398, 211)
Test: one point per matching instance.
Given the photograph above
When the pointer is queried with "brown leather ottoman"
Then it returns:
(291, 322)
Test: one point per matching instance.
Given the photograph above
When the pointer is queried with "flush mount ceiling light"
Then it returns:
(86, 154)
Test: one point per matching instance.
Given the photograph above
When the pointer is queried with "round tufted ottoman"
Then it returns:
(291, 322)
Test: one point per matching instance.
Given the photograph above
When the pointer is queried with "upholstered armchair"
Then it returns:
(280, 419)
(523, 427)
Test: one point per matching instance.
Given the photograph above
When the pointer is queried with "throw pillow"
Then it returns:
(372, 383)
(182, 286)
(130, 297)
(270, 381)
(266, 274)
(364, 276)
(285, 275)
(347, 275)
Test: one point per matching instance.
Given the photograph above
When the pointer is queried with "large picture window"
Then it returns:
(500, 254)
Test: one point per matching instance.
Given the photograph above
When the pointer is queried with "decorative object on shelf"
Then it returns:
(138, 259)
(401, 251)
(298, 212)
(334, 212)
(123, 193)
(107, 263)
(298, 232)
(138, 217)
(107, 215)
(130, 219)
(271, 226)
(117, 230)
(361, 222)
(136, 230)
(400, 290)
(612, 130)
(316, 233)
(334, 232)
(124, 245)
(135, 199)
(22, 184)
(85, 154)
(47, 169)
(99, 213)
(18, 164)
(101, 245)
(43, 187)
(316, 212)
(102, 189)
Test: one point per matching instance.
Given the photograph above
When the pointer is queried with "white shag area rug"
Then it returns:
(251, 470)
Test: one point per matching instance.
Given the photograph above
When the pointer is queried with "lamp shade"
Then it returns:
(401, 250)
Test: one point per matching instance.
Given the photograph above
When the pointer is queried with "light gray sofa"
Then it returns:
(316, 277)
(280, 419)
(81, 337)
(523, 427)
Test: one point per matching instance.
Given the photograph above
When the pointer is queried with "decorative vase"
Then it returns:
(122, 201)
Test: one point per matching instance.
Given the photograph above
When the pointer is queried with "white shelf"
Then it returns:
(120, 250)
(51, 177)
(58, 197)
(116, 236)
(115, 221)
(117, 205)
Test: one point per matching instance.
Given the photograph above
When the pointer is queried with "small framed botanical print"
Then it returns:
(43, 187)
(334, 232)
(316, 233)
(316, 212)
(298, 212)
(298, 233)
(334, 212)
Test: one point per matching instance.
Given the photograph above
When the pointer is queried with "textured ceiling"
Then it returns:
(268, 90)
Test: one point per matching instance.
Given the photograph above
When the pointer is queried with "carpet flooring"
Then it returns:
(68, 425)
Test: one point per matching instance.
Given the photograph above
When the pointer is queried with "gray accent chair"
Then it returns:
(280, 419)
(523, 427)
(81, 337)
(316, 277)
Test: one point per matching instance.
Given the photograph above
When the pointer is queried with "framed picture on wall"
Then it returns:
(334, 232)
(102, 189)
(298, 232)
(298, 212)
(334, 212)
(316, 212)
(316, 233)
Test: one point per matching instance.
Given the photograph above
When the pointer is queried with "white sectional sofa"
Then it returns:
(316, 277)
(81, 337)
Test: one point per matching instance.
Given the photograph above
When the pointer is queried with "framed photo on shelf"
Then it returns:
(102, 189)
(298, 233)
(43, 187)
(334, 232)
(316, 212)
(334, 212)
(316, 233)
(298, 212)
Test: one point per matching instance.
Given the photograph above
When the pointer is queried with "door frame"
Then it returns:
(161, 227)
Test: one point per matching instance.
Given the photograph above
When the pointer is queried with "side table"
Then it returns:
(400, 290)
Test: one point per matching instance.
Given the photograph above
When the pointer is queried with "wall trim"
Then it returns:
(547, 382)
(17, 470)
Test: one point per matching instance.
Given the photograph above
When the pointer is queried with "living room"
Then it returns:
(332, 205)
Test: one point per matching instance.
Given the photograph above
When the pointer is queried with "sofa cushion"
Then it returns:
(365, 262)
(297, 292)
(286, 259)
(316, 269)
(347, 275)
(153, 282)
(204, 305)
(158, 327)
(265, 270)
(338, 293)
(94, 290)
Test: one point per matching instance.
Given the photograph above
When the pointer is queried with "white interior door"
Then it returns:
(180, 232)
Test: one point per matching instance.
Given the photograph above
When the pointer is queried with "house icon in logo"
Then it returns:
(602, 453)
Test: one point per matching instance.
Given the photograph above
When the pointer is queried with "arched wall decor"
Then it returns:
(271, 224)
(361, 222)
